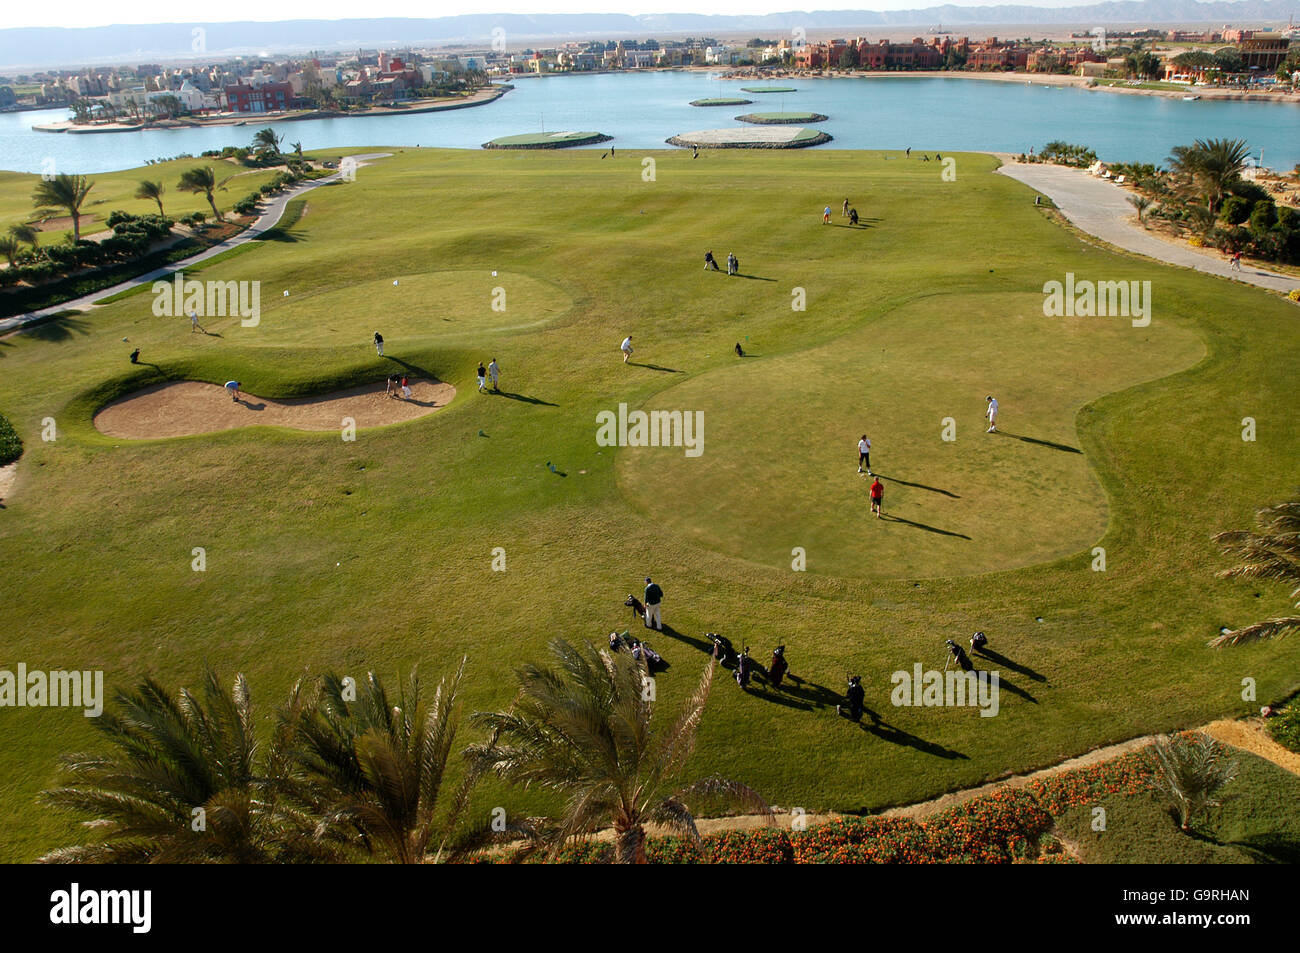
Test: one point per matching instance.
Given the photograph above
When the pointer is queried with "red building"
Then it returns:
(269, 97)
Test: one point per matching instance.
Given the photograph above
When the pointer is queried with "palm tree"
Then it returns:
(1141, 203)
(297, 149)
(25, 234)
(9, 248)
(153, 192)
(584, 728)
(1212, 165)
(1191, 774)
(66, 192)
(375, 767)
(267, 140)
(186, 784)
(1272, 553)
(204, 180)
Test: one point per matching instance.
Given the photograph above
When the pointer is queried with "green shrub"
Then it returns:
(1285, 728)
(1236, 210)
(11, 445)
(1263, 216)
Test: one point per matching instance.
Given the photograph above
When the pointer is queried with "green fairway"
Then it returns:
(440, 304)
(377, 553)
(781, 444)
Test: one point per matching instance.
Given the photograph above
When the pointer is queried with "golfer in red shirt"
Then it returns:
(877, 497)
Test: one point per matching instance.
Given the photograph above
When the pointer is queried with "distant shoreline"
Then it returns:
(1029, 79)
(480, 98)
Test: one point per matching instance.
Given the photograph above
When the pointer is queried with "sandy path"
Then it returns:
(188, 407)
(8, 474)
(1250, 736)
(1100, 207)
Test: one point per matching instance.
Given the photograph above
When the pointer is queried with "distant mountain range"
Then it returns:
(34, 47)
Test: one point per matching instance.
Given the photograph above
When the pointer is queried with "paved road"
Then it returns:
(267, 220)
(1101, 208)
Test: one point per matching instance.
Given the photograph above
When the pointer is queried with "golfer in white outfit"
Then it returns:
(992, 413)
(626, 348)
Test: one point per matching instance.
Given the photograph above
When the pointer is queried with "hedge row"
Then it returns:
(24, 300)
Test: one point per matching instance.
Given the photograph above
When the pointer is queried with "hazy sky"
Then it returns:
(98, 13)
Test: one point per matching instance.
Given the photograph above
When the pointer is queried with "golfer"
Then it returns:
(379, 343)
(877, 497)
(626, 348)
(482, 377)
(232, 388)
(494, 372)
(194, 322)
(653, 596)
(844, 211)
(733, 264)
(826, 215)
(992, 413)
(864, 455)
(406, 388)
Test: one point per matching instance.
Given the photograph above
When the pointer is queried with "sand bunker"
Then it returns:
(188, 407)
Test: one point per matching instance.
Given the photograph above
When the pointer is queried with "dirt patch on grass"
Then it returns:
(8, 474)
(1249, 735)
(184, 408)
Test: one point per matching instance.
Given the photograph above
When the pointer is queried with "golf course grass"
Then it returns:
(779, 118)
(721, 101)
(768, 89)
(329, 554)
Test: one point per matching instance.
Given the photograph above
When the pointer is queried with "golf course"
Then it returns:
(483, 525)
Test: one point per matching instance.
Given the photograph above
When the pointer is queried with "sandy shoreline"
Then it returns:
(481, 98)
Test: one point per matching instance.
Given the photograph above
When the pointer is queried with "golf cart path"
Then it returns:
(1247, 735)
(269, 218)
(185, 408)
(1101, 208)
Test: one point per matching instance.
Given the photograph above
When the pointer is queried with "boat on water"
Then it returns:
(1190, 99)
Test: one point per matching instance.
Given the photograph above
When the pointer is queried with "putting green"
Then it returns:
(780, 118)
(546, 140)
(779, 461)
(439, 304)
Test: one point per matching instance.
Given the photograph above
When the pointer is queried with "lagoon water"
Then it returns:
(641, 110)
